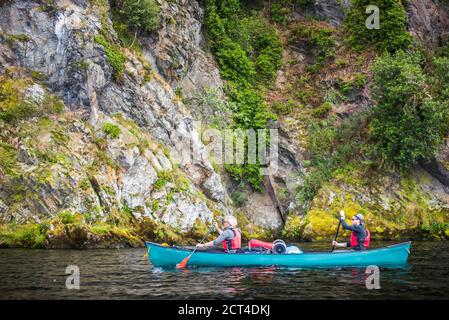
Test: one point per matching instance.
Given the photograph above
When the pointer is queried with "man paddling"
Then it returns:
(360, 235)
(230, 236)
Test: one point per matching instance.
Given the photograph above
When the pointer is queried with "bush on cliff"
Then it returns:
(408, 123)
(248, 52)
(140, 14)
(392, 34)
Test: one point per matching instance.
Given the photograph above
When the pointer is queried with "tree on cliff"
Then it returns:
(408, 122)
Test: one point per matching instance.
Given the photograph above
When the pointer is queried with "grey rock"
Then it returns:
(138, 182)
(428, 21)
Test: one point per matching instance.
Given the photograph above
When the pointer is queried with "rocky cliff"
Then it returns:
(94, 151)
(67, 161)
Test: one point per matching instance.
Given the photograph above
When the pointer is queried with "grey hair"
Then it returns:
(231, 220)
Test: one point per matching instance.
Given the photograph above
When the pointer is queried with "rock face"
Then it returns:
(155, 166)
(57, 41)
(329, 10)
(176, 49)
(410, 206)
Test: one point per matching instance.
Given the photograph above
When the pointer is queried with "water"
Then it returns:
(127, 274)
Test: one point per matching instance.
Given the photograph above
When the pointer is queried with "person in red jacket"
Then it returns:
(360, 235)
(230, 237)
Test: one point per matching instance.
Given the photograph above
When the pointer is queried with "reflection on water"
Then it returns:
(127, 274)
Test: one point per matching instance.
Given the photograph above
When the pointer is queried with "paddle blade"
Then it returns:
(183, 263)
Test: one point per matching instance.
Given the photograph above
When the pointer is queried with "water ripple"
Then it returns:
(127, 274)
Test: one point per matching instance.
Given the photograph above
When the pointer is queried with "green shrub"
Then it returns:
(332, 145)
(234, 63)
(360, 80)
(13, 38)
(239, 198)
(319, 38)
(440, 69)
(66, 217)
(249, 52)
(115, 56)
(407, 123)
(12, 106)
(391, 36)
(159, 184)
(155, 205)
(279, 12)
(322, 110)
(283, 108)
(8, 160)
(85, 184)
(247, 173)
(222, 109)
(127, 37)
(141, 14)
(111, 130)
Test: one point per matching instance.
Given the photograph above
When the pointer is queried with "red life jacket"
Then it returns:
(235, 243)
(354, 242)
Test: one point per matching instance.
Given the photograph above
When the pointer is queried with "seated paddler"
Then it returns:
(360, 236)
(230, 237)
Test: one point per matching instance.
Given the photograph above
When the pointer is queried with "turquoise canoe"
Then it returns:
(394, 255)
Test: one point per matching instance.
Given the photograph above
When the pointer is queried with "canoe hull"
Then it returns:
(161, 256)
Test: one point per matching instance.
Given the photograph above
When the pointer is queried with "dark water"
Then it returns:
(127, 274)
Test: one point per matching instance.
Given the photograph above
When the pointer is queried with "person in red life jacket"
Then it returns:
(360, 235)
(230, 237)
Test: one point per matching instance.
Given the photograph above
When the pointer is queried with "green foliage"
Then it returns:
(234, 64)
(332, 146)
(66, 217)
(248, 52)
(14, 38)
(85, 184)
(27, 235)
(268, 45)
(279, 11)
(163, 177)
(319, 38)
(8, 160)
(435, 228)
(155, 205)
(239, 198)
(246, 172)
(141, 14)
(245, 46)
(127, 38)
(12, 105)
(148, 72)
(283, 108)
(38, 76)
(440, 80)
(360, 80)
(322, 110)
(392, 34)
(408, 123)
(222, 109)
(111, 130)
(251, 112)
(114, 54)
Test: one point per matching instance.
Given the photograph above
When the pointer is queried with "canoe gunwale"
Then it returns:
(393, 255)
(180, 248)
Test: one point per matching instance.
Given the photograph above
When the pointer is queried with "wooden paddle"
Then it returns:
(184, 261)
(336, 234)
